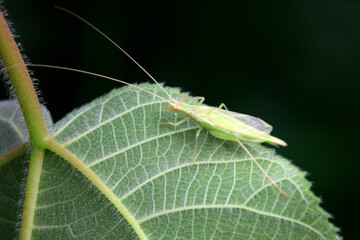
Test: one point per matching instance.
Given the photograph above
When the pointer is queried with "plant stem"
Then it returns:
(32, 189)
(30, 106)
(23, 86)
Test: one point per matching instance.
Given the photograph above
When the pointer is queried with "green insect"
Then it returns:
(220, 122)
(227, 125)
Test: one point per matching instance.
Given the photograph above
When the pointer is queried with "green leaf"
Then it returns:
(13, 164)
(12, 126)
(146, 167)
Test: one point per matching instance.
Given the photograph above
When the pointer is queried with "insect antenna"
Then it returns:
(97, 75)
(116, 45)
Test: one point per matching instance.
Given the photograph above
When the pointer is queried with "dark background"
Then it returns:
(293, 64)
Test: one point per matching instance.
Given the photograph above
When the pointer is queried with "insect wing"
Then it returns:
(254, 122)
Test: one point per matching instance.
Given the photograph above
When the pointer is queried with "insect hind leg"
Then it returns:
(261, 169)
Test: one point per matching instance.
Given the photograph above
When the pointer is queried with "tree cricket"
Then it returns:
(219, 121)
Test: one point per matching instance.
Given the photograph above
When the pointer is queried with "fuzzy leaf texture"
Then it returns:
(147, 166)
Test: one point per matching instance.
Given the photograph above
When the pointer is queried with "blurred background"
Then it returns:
(293, 64)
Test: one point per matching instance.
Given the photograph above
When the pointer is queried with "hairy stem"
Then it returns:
(32, 190)
(22, 84)
(30, 106)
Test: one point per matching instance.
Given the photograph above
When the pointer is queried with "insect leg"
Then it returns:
(176, 124)
(199, 99)
(223, 106)
(196, 141)
(261, 169)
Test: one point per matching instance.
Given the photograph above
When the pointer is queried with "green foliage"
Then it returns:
(146, 166)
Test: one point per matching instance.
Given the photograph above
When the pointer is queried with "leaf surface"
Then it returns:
(146, 165)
